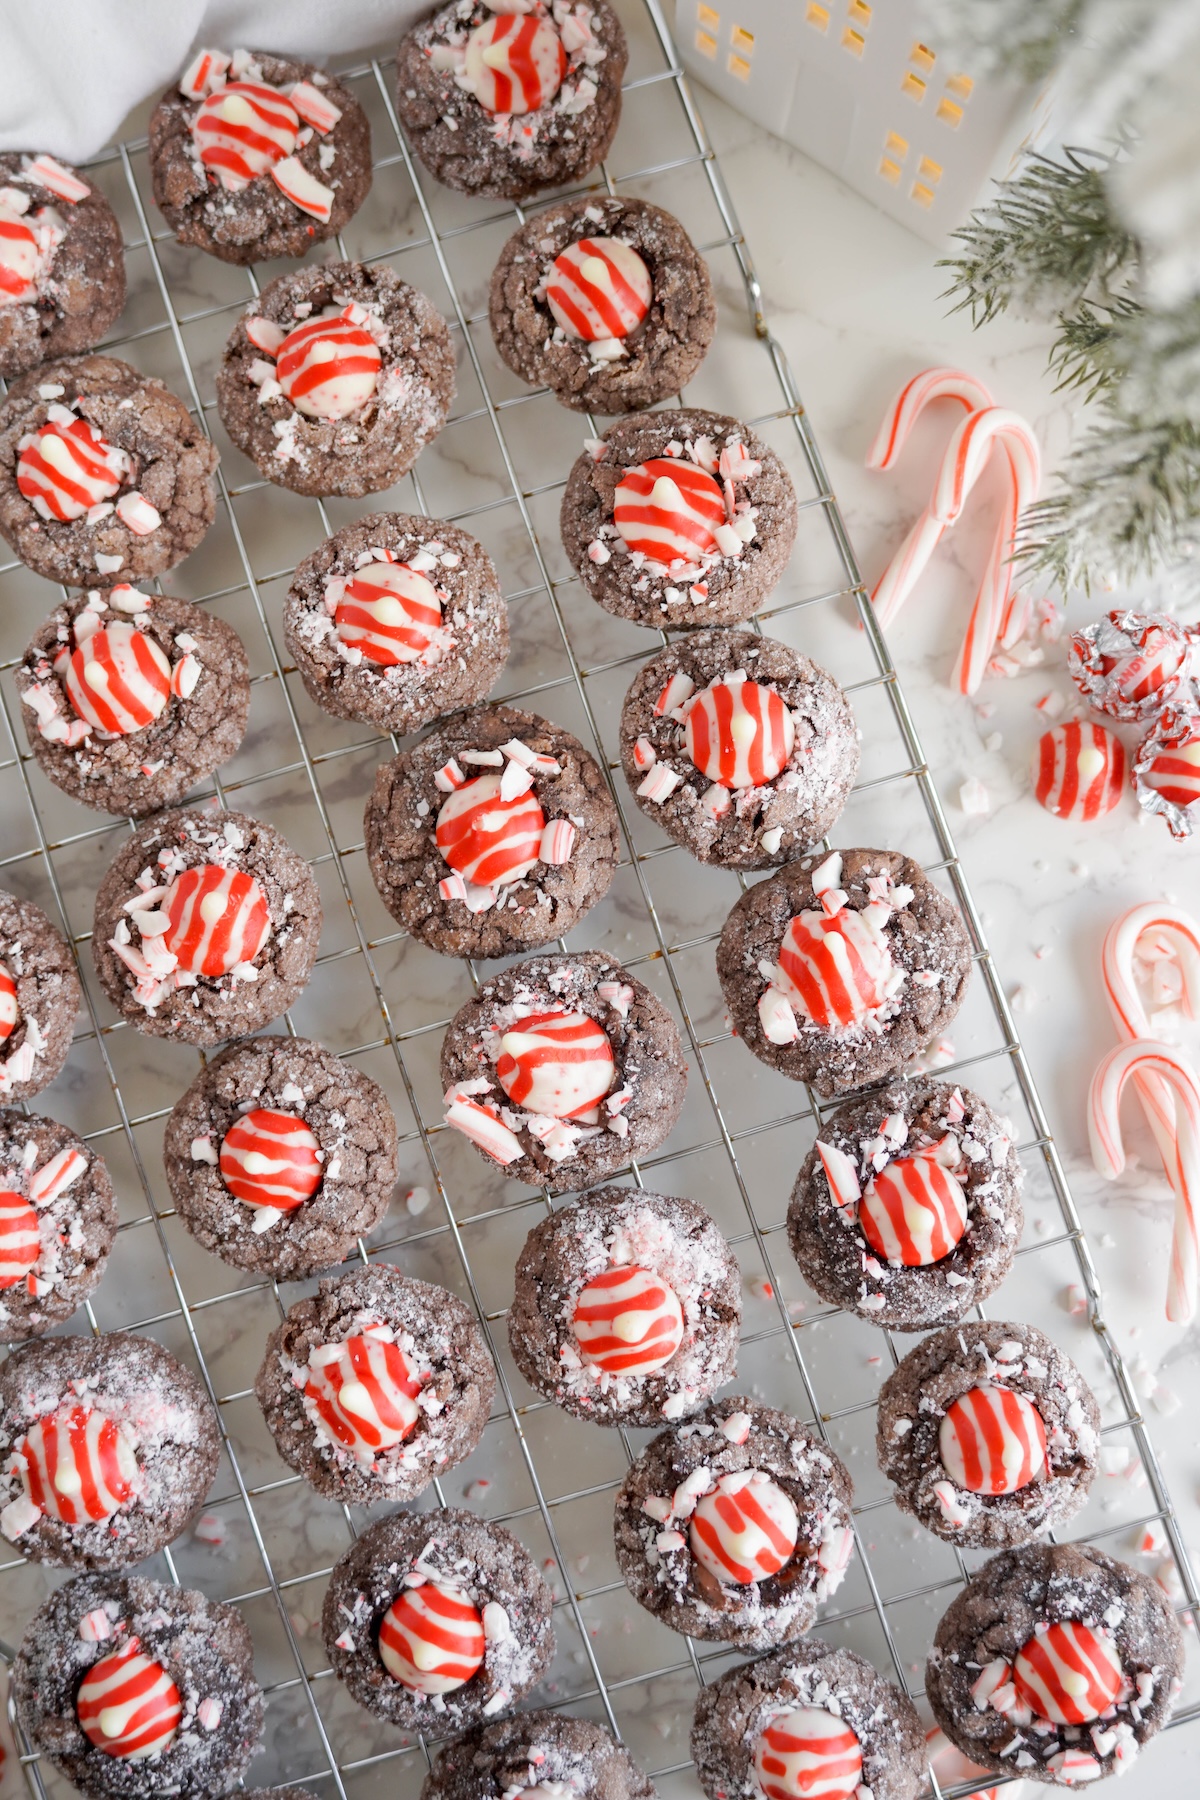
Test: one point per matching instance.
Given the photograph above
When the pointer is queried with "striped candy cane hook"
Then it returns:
(1176, 928)
(910, 403)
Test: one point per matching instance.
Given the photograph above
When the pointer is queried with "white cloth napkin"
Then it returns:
(71, 70)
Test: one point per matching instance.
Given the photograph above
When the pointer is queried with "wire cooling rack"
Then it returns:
(265, 1541)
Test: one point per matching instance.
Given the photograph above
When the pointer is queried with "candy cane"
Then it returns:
(1182, 1164)
(910, 403)
(1182, 934)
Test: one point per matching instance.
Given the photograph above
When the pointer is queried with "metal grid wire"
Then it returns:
(383, 1002)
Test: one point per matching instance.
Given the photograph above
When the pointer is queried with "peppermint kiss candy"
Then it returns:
(328, 367)
(10, 1012)
(270, 1159)
(839, 967)
(242, 130)
(63, 469)
(389, 612)
(739, 733)
(627, 1321)
(487, 840)
(913, 1212)
(556, 1063)
(1069, 1674)
(19, 256)
(431, 1639)
(1166, 771)
(745, 1530)
(1079, 771)
(515, 64)
(78, 1465)
(599, 288)
(20, 1245)
(992, 1441)
(217, 919)
(808, 1754)
(668, 510)
(118, 680)
(363, 1394)
(128, 1706)
(1130, 664)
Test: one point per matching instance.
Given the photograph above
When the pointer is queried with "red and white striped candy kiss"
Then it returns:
(218, 918)
(745, 1529)
(839, 967)
(913, 1212)
(19, 257)
(556, 1063)
(363, 1391)
(431, 1638)
(668, 510)
(270, 1159)
(599, 288)
(627, 1321)
(242, 130)
(328, 367)
(1079, 770)
(78, 1465)
(992, 1441)
(128, 1706)
(63, 469)
(808, 1754)
(20, 1244)
(118, 679)
(739, 733)
(487, 840)
(1070, 1673)
(515, 64)
(10, 1012)
(1166, 769)
(390, 612)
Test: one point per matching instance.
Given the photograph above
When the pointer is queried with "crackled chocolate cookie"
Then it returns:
(103, 473)
(62, 267)
(1055, 1662)
(133, 1688)
(376, 1385)
(740, 748)
(438, 1620)
(605, 300)
(232, 917)
(58, 1219)
(581, 1065)
(280, 1156)
(131, 699)
(735, 1526)
(107, 1447)
(627, 1308)
(508, 101)
(40, 998)
(989, 1434)
(545, 1753)
(336, 379)
(496, 833)
(841, 968)
(254, 156)
(908, 1207)
(809, 1720)
(396, 620)
(679, 519)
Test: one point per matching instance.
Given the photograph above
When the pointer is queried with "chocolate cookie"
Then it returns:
(583, 1066)
(61, 259)
(740, 748)
(908, 1207)
(103, 473)
(508, 104)
(436, 1621)
(1055, 1662)
(989, 1434)
(547, 1753)
(58, 1219)
(626, 1308)
(396, 620)
(206, 926)
(735, 1527)
(336, 378)
(376, 1386)
(605, 300)
(496, 833)
(810, 1719)
(280, 1156)
(40, 998)
(107, 1447)
(841, 968)
(102, 1641)
(679, 519)
(131, 699)
(254, 156)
